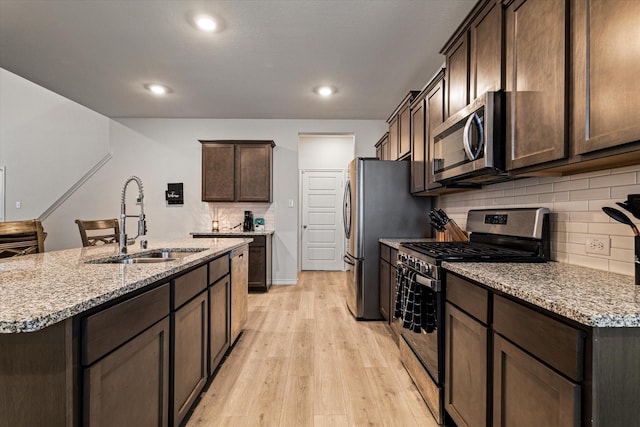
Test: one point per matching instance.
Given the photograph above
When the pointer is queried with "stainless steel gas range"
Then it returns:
(501, 235)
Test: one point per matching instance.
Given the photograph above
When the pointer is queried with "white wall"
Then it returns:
(47, 143)
(325, 151)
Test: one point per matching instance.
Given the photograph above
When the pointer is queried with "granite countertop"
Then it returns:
(39, 290)
(395, 243)
(591, 297)
(226, 233)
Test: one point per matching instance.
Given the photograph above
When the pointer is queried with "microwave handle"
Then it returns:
(466, 140)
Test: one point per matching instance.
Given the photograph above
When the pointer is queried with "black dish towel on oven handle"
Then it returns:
(408, 305)
(408, 300)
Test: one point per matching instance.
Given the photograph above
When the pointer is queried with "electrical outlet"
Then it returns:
(598, 245)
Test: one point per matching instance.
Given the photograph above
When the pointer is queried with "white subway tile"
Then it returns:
(613, 180)
(578, 184)
(589, 261)
(621, 192)
(626, 255)
(541, 188)
(562, 196)
(521, 200)
(597, 205)
(572, 206)
(525, 182)
(611, 228)
(591, 174)
(591, 216)
(621, 267)
(622, 242)
(552, 179)
(590, 194)
(580, 238)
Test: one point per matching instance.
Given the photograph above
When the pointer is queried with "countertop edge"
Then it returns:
(37, 323)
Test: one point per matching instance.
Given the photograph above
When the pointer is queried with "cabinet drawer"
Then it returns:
(107, 329)
(557, 344)
(218, 268)
(469, 297)
(394, 257)
(385, 253)
(189, 285)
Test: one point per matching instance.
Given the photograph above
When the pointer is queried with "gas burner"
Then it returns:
(462, 250)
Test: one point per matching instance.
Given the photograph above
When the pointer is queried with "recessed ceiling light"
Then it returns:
(325, 91)
(157, 89)
(206, 23)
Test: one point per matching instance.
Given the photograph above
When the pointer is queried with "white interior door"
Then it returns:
(322, 233)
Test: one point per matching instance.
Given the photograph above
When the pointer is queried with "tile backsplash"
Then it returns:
(231, 214)
(575, 203)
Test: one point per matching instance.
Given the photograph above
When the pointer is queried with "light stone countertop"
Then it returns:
(591, 297)
(39, 290)
(395, 243)
(227, 233)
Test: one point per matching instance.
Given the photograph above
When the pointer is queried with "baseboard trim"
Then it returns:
(284, 282)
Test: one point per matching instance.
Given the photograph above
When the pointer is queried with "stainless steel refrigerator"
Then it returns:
(377, 204)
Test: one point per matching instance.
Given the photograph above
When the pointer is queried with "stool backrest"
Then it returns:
(21, 238)
(96, 232)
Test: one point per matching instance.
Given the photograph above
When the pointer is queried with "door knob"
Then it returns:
(304, 226)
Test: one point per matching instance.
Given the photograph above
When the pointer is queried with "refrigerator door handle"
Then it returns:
(346, 210)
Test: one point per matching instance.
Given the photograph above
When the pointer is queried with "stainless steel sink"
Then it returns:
(148, 257)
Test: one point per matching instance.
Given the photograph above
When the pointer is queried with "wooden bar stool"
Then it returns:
(97, 232)
(21, 238)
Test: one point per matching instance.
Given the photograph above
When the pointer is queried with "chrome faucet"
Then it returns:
(142, 226)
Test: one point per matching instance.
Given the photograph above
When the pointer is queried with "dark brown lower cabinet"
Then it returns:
(190, 355)
(527, 393)
(130, 386)
(219, 321)
(385, 285)
(466, 368)
(260, 263)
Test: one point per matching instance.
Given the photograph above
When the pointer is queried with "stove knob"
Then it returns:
(426, 268)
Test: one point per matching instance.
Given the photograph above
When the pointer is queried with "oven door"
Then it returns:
(427, 346)
(470, 144)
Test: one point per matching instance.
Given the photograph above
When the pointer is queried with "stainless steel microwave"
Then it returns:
(468, 147)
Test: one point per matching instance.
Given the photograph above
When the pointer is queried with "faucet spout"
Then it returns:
(142, 226)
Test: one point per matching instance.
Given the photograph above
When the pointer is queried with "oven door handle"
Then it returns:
(432, 284)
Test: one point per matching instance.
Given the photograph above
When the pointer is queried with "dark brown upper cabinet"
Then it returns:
(400, 129)
(427, 112)
(382, 147)
(237, 171)
(605, 64)
(474, 56)
(535, 82)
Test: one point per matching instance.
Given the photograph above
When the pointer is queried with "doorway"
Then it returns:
(322, 162)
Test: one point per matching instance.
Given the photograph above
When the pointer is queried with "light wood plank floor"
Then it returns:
(303, 360)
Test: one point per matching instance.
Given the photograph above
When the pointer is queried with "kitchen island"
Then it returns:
(78, 337)
(551, 343)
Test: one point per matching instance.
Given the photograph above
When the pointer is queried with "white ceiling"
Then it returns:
(264, 65)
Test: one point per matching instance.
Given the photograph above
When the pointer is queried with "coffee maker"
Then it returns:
(247, 225)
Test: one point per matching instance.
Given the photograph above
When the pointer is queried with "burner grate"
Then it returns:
(443, 250)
